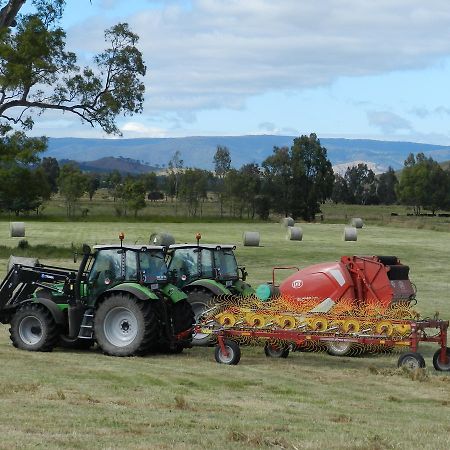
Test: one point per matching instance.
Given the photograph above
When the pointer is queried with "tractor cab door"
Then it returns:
(107, 270)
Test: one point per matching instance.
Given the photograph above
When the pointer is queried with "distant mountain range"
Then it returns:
(141, 155)
(110, 163)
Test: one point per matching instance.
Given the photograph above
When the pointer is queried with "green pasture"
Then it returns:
(68, 399)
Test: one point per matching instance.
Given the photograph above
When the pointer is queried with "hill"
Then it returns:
(110, 163)
(198, 151)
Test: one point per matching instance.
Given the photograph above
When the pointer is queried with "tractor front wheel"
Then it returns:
(438, 365)
(33, 328)
(232, 355)
(125, 326)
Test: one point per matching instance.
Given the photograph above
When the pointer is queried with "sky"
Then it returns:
(338, 68)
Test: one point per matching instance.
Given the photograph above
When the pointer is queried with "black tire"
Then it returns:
(411, 361)
(234, 353)
(338, 348)
(75, 343)
(275, 351)
(182, 320)
(438, 365)
(33, 328)
(125, 326)
(182, 316)
(200, 301)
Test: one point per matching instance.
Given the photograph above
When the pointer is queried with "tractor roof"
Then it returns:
(129, 247)
(206, 246)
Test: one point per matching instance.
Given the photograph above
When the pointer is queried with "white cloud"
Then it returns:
(136, 129)
(216, 54)
(388, 122)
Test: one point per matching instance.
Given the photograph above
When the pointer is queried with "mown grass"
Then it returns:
(69, 399)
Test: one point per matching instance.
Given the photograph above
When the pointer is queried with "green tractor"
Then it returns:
(205, 272)
(120, 298)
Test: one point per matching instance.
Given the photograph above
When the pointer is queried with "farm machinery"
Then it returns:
(205, 272)
(358, 304)
(119, 298)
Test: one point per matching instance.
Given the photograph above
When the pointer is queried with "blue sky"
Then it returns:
(339, 68)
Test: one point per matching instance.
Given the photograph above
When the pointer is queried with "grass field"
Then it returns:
(69, 399)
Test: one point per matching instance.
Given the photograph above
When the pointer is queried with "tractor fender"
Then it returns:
(140, 292)
(175, 294)
(57, 313)
(209, 285)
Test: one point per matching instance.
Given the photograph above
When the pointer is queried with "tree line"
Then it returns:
(292, 181)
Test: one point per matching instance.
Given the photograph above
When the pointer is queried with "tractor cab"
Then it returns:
(190, 262)
(112, 264)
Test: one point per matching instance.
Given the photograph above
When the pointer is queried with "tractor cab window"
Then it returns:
(207, 264)
(131, 272)
(106, 268)
(226, 265)
(153, 266)
(184, 262)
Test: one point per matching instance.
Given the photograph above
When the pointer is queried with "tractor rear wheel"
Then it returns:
(233, 355)
(200, 301)
(33, 328)
(125, 326)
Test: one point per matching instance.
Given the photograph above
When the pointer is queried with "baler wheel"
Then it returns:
(337, 348)
(411, 361)
(200, 301)
(438, 365)
(276, 351)
(233, 350)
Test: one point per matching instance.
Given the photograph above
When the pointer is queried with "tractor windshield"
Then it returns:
(226, 265)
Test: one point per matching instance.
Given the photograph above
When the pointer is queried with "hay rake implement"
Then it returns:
(356, 305)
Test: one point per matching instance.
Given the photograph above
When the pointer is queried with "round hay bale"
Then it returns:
(251, 238)
(22, 261)
(357, 222)
(164, 239)
(350, 234)
(17, 229)
(294, 234)
(287, 222)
